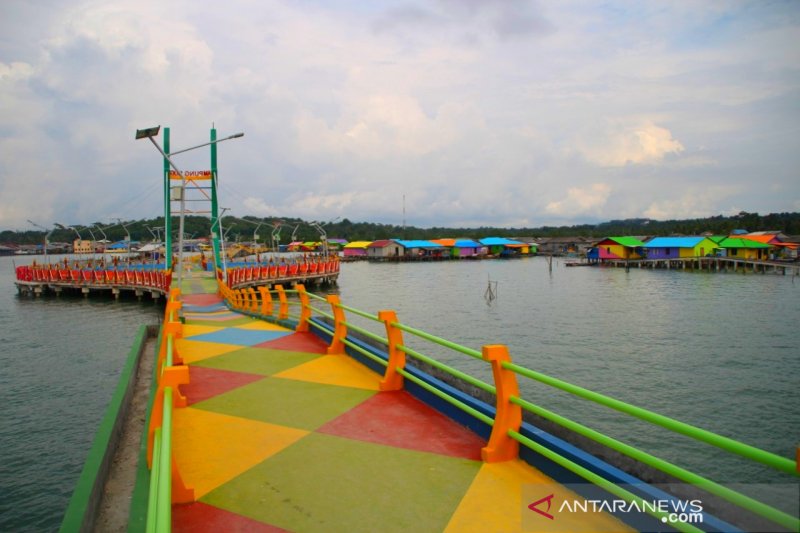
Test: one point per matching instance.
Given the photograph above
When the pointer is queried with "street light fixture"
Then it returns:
(276, 237)
(127, 234)
(103, 233)
(323, 234)
(147, 132)
(224, 235)
(152, 132)
(46, 237)
(255, 235)
(91, 234)
(148, 228)
(62, 226)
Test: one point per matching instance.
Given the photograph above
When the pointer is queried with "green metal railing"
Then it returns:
(159, 504)
(338, 330)
(167, 377)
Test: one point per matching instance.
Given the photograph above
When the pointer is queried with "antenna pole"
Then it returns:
(404, 216)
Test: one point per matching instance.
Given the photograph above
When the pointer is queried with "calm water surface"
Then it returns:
(715, 350)
(60, 360)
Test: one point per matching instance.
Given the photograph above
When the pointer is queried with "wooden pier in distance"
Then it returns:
(708, 264)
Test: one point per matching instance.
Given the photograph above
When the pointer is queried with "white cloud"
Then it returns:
(694, 203)
(581, 201)
(472, 114)
(258, 207)
(15, 71)
(622, 143)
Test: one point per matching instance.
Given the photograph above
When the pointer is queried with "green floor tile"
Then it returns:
(366, 487)
(229, 323)
(262, 361)
(287, 402)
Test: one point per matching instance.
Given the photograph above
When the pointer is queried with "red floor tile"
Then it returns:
(297, 342)
(398, 419)
(201, 299)
(201, 518)
(205, 383)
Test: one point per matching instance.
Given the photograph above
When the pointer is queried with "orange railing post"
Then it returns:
(180, 492)
(170, 377)
(508, 416)
(253, 300)
(266, 301)
(283, 309)
(339, 327)
(305, 308)
(392, 379)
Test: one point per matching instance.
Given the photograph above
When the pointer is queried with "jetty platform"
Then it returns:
(278, 435)
(261, 419)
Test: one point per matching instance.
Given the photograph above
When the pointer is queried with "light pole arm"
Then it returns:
(166, 156)
(234, 136)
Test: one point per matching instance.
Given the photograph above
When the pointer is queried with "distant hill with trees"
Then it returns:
(244, 228)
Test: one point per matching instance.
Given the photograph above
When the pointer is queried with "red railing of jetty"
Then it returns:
(45, 275)
(293, 271)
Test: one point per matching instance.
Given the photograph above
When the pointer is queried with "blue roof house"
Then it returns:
(419, 248)
(679, 247)
(505, 247)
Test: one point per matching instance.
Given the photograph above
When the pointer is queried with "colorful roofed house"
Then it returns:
(356, 248)
(456, 248)
(420, 248)
(468, 248)
(503, 246)
(617, 248)
(741, 248)
(384, 248)
(336, 244)
(678, 247)
(782, 245)
(773, 238)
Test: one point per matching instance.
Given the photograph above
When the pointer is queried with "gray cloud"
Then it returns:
(502, 113)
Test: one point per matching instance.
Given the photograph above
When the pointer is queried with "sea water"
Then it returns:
(60, 360)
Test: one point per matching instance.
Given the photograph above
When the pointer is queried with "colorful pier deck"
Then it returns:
(279, 436)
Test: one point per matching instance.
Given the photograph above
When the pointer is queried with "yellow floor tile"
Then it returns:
(191, 331)
(194, 351)
(334, 370)
(518, 481)
(211, 448)
(261, 325)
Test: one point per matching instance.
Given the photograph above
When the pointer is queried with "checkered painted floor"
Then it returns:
(278, 436)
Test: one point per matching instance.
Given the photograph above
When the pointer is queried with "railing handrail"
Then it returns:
(169, 374)
(676, 471)
(745, 450)
(504, 369)
(251, 274)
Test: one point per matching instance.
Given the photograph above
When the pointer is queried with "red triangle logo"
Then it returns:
(534, 506)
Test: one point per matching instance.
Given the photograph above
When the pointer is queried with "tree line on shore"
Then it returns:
(245, 228)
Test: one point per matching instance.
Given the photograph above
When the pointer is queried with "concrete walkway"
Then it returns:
(278, 436)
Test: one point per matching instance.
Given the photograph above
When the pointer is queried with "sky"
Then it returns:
(449, 113)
